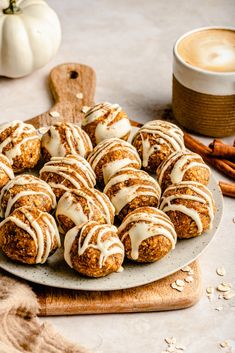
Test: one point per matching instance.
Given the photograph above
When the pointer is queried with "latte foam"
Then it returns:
(209, 49)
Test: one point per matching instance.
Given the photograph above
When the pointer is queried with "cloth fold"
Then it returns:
(20, 329)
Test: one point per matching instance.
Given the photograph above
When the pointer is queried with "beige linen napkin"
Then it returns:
(20, 329)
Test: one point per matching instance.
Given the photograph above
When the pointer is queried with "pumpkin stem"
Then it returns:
(12, 8)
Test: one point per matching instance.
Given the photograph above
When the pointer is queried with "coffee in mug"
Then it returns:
(204, 81)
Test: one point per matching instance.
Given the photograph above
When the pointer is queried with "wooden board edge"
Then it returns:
(139, 299)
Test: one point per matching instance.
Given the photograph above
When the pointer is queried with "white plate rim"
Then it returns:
(106, 283)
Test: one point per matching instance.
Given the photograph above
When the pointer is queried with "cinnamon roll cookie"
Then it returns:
(155, 141)
(131, 188)
(190, 206)
(182, 166)
(111, 155)
(65, 173)
(94, 249)
(20, 143)
(80, 206)
(106, 120)
(147, 234)
(65, 138)
(29, 235)
(26, 190)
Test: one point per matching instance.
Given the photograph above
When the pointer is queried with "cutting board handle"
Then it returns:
(68, 80)
(72, 87)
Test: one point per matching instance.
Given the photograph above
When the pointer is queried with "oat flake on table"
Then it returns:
(54, 114)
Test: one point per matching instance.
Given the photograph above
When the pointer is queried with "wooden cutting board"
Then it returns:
(157, 296)
(73, 87)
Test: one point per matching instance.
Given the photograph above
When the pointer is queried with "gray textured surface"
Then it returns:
(129, 43)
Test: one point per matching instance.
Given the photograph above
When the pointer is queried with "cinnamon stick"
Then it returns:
(221, 164)
(220, 149)
(227, 188)
(232, 164)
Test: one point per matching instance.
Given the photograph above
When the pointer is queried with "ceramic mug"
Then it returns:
(203, 101)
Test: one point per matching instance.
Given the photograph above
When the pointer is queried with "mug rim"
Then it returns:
(197, 69)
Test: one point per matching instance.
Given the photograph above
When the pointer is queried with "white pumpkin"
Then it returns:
(30, 35)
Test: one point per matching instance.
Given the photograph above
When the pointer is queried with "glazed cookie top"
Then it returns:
(112, 155)
(41, 226)
(83, 205)
(29, 186)
(65, 138)
(162, 132)
(178, 163)
(129, 183)
(13, 135)
(143, 223)
(106, 120)
(69, 172)
(186, 197)
(102, 237)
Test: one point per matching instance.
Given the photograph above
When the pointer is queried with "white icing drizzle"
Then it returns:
(26, 181)
(20, 129)
(114, 166)
(185, 161)
(107, 127)
(43, 246)
(145, 225)
(69, 208)
(128, 193)
(52, 142)
(70, 170)
(95, 202)
(205, 197)
(107, 247)
(107, 207)
(99, 110)
(109, 146)
(148, 150)
(165, 132)
(4, 166)
(77, 141)
(119, 129)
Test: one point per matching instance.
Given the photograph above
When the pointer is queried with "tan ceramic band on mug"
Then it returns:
(203, 101)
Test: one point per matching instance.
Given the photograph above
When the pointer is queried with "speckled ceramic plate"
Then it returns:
(57, 273)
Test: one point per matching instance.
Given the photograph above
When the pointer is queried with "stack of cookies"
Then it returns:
(91, 179)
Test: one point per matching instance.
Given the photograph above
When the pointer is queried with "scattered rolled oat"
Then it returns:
(221, 271)
(224, 344)
(178, 288)
(54, 114)
(170, 340)
(210, 293)
(219, 308)
(224, 287)
(189, 279)
(173, 347)
(210, 290)
(85, 109)
(228, 295)
(186, 269)
(79, 95)
(180, 282)
(180, 347)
